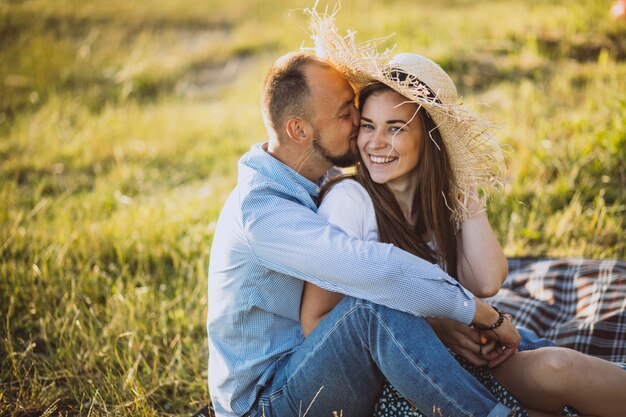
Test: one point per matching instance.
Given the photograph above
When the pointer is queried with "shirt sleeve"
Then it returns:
(289, 238)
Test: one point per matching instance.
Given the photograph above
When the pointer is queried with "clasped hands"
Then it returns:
(489, 348)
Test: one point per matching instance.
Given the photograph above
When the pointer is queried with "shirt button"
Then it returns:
(465, 304)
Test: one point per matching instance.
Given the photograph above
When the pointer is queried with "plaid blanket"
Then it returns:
(578, 303)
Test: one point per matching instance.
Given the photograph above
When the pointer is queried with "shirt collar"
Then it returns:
(258, 159)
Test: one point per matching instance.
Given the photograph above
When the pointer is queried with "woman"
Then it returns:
(411, 189)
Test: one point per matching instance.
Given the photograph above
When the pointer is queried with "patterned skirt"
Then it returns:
(393, 404)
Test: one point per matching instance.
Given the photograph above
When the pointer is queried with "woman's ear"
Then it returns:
(298, 130)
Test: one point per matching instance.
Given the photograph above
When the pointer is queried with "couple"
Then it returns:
(309, 313)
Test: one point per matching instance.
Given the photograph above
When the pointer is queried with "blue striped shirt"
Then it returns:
(268, 240)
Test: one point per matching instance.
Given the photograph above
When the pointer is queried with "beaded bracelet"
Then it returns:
(495, 325)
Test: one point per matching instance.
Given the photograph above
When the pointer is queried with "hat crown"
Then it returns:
(428, 72)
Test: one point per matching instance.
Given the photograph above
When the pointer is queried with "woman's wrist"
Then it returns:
(494, 325)
(485, 315)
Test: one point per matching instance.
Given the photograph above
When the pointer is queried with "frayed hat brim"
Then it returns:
(476, 158)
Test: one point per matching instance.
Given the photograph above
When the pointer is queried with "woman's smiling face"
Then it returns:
(390, 139)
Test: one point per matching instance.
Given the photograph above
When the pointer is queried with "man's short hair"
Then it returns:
(286, 93)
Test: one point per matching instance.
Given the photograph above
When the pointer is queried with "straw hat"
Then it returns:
(475, 156)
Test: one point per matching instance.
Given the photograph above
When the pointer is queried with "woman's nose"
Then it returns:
(378, 140)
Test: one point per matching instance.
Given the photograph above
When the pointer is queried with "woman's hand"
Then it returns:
(464, 340)
(507, 338)
(502, 331)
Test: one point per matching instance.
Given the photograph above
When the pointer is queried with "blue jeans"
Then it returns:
(344, 362)
(531, 341)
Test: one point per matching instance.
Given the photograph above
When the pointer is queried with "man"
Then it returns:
(269, 240)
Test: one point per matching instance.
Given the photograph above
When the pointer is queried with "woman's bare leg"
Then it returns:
(535, 413)
(547, 379)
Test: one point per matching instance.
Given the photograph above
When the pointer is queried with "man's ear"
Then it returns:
(298, 130)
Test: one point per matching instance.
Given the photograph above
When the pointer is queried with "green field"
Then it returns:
(120, 126)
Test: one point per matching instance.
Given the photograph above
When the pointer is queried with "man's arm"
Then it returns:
(290, 238)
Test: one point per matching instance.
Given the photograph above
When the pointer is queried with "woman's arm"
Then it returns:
(316, 303)
(481, 265)
(347, 206)
(481, 268)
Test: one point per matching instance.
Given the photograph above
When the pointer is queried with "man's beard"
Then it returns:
(342, 161)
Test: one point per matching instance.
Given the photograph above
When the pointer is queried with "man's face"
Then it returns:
(335, 118)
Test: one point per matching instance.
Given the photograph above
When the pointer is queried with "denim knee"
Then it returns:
(531, 341)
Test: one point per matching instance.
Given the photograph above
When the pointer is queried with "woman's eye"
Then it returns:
(395, 129)
(367, 126)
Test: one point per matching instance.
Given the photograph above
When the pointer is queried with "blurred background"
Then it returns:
(121, 123)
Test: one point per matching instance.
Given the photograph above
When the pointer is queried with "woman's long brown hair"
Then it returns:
(434, 220)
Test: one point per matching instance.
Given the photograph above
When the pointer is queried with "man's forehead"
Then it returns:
(327, 83)
(318, 74)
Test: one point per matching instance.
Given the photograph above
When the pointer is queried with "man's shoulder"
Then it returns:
(251, 180)
(258, 195)
(253, 171)
(257, 184)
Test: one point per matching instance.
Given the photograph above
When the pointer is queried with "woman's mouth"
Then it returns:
(378, 159)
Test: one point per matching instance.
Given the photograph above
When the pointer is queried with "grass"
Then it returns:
(121, 124)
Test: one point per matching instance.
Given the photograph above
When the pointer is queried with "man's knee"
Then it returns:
(365, 319)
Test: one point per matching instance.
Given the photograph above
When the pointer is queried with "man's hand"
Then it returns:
(464, 340)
